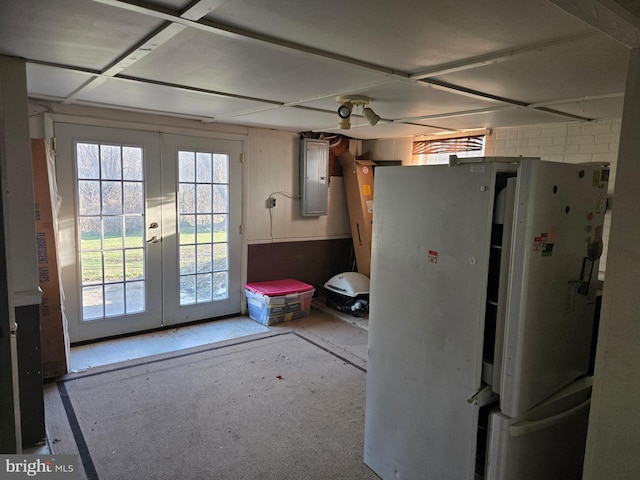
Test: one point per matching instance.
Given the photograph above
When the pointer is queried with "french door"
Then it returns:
(149, 229)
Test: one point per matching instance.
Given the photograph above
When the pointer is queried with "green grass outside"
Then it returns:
(91, 256)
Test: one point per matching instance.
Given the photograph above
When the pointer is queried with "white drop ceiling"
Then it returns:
(428, 66)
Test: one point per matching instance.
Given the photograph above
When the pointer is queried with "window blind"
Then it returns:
(448, 145)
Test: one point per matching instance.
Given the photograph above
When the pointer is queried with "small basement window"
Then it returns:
(436, 150)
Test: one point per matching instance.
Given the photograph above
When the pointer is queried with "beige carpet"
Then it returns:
(275, 406)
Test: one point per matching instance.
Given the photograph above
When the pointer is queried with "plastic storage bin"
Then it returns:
(278, 300)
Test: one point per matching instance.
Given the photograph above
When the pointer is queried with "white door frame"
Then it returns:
(173, 312)
(80, 330)
(50, 118)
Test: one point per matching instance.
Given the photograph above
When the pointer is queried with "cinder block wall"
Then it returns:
(559, 142)
(563, 142)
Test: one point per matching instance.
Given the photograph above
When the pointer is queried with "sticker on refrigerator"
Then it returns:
(542, 243)
(537, 244)
(432, 257)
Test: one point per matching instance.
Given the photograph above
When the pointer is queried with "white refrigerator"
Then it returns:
(483, 285)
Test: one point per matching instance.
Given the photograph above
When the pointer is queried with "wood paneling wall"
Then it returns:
(313, 262)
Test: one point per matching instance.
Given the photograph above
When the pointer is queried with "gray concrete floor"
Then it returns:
(128, 348)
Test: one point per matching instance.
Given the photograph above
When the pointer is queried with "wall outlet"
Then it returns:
(270, 202)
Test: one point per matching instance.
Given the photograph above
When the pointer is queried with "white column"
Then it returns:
(19, 275)
(18, 183)
(613, 442)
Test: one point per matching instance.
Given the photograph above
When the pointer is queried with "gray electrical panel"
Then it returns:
(314, 177)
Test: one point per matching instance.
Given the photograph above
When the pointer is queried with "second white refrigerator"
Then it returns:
(483, 285)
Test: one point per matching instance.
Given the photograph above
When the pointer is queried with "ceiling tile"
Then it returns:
(595, 108)
(288, 118)
(404, 99)
(405, 35)
(71, 32)
(248, 55)
(500, 118)
(159, 98)
(594, 65)
(43, 81)
(245, 67)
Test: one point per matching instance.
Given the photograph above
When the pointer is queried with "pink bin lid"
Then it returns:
(274, 288)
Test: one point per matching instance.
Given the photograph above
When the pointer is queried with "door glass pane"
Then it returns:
(135, 297)
(133, 228)
(204, 229)
(187, 289)
(203, 167)
(203, 202)
(111, 163)
(133, 197)
(88, 161)
(92, 303)
(111, 198)
(220, 227)
(88, 197)
(112, 232)
(187, 259)
(132, 163)
(114, 299)
(111, 221)
(220, 285)
(187, 229)
(203, 288)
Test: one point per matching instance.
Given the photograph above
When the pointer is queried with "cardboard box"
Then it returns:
(358, 184)
(53, 322)
(54, 340)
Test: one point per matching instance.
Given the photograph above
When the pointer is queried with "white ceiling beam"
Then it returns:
(468, 92)
(584, 98)
(162, 35)
(463, 113)
(608, 16)
(272, 104)
(193, 16)
(235, 32)
(498, 56)
(200, 9)
(221, 29)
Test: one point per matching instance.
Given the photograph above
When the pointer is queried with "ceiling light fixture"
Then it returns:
(344, 112)
(347, 103)
(371, 116)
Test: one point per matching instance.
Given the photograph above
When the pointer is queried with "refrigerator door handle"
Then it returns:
(529, 426)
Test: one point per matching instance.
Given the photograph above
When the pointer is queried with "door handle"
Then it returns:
(153, 239)
(529, 426)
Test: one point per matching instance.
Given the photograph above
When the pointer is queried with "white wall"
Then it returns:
(571, 142)
(575, 142)
(271, 165)
(18, 183)
(613, 440)
(560, 142)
